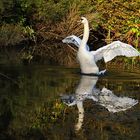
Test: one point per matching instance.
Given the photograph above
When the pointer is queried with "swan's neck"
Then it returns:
(85, 35)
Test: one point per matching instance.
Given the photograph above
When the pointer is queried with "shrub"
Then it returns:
(121, 17)
(11, 34)
(54, 33)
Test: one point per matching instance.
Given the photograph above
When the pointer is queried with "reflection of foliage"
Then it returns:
(6, 113)
(47, 114)
(106, 125)
(33, 103)
(35, 111)
(26, 57)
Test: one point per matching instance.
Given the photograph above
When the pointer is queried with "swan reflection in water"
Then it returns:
(105, 97)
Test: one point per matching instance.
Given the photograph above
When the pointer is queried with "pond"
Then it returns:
(57, 103)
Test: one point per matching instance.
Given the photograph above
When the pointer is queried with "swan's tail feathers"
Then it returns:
(102, 72)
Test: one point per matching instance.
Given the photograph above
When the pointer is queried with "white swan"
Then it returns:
(88, 59)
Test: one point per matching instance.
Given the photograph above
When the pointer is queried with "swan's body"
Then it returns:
(88, 59)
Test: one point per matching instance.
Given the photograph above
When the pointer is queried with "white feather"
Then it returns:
(74, 40)
(88, 59)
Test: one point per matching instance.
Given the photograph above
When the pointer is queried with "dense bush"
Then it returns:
(11, 34)
(47, 22)
(121, 17)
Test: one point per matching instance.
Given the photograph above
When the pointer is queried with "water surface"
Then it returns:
(51, 102)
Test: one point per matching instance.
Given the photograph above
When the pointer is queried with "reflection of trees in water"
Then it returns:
(100, 124)
(108, 126)
(34, 111)
(32, 105)
(97, 120)
(119, 85)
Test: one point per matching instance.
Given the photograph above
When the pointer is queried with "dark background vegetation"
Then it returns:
(33, 30)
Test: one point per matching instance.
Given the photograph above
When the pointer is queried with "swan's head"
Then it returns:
(84, 20)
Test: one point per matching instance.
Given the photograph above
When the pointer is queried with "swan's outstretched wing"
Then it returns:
(116, 48)
(73, 40)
